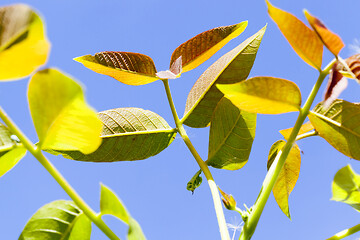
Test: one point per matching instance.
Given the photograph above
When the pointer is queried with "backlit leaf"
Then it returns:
(336, 84)
(111, 204)
(232, 133)
(56, 221)
(306, 127)
(11, 152)
(233, 67)
(23, 43)
(194, 182)
(62, 118)
(346, 187)
(128, 134)
(354, 64)
(332, 41)
(265, 95)
(339, 125)
(303, 40)
(201, 47)
(288, 175)
(126, 67)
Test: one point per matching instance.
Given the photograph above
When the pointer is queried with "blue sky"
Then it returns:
(154, 190)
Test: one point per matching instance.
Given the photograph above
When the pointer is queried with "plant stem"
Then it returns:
(57, 176)
(274, 171)
(345, 233)
(203, 166)
(306, 135)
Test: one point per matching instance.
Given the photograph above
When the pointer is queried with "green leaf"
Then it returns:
(265, 95)
(233, 67)
(346, 187)
(288, 176)
(126, 67)
(111, 204)
(339, 126)
(56, 221)
(232, 133)
(23, 43)
(201, 47)
(81, 229)
(302, 39)
(11, 152)
(194, 182)
(128, 134)
(62, 118)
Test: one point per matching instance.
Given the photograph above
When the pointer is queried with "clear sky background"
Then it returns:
(154, 190)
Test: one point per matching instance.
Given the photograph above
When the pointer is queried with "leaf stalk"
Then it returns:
(224, 233)
(36, 152)
(274, 171)
(345, 233)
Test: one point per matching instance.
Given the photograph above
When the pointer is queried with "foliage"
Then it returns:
(222, 98)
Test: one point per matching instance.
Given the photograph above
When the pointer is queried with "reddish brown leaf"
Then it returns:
(354, 64)
(331, 40)
(337, 83)
(201, 47)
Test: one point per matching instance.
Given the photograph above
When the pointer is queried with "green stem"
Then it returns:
(274, 171)
(57, 176)
(345, 233)
(203, 166)
(306, 135)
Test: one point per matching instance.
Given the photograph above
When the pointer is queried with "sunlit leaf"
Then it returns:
(194, 182)
(57, 220)
(288, 176)
(232, 133)
(354, 64)
(265, 95)
(332, 41)
(11, 152)
(23, 43)
(306, 127)
(336, 84)
(62, 118)
(111, 204)
(201, 47)
(346, 187)
(126, 67)
(233, 67)
(339, 126)
(303, 40)
(128, 134)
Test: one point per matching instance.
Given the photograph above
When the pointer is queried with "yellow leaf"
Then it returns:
(128, 68)
(265, 95)
(332, 41)
(306, 127)
(303, 40)
(201, 47)
(62, 119)
(288, 176)
(23, 43)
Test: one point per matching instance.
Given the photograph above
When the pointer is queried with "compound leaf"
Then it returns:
(232, 133)
(302, 39)
(11, 152)
(126, 67)
(233, 67)
(128, 134)
(201, 47)
(111, 204)
(62, 119)
(265, 95)
(56, 221)
(346, 187)
(339, 126)
(288, 175)
(331, 41)
(23, 43)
